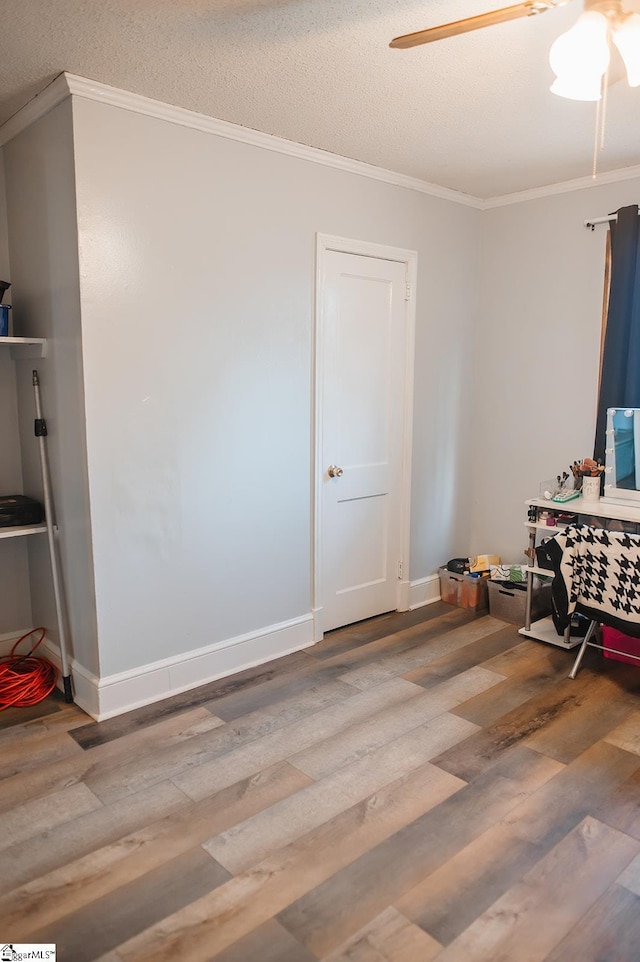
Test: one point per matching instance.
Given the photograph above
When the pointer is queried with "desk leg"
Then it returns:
(532, 558)
(583, 648)
(527, 610)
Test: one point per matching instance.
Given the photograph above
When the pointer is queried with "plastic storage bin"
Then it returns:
(612, 638)
(465, 591)
(510, 604)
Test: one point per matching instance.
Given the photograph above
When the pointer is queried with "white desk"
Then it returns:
(603, 512)
(606, 510)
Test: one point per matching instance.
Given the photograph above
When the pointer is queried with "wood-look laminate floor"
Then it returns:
(422, 786)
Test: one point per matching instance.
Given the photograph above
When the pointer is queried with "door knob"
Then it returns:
(334, 472)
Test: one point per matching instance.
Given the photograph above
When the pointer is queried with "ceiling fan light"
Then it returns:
(578, 86)
(583, 50)
(627, 39)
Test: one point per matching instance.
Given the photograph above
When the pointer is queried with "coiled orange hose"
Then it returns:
(25, 679)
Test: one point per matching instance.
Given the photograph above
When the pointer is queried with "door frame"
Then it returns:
(326, 243)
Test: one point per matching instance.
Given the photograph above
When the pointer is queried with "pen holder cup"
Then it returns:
(591, 489)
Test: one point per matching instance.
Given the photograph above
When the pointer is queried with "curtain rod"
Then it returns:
(593, 222)
(600, 220)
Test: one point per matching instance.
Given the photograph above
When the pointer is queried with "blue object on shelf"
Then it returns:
(4, 319)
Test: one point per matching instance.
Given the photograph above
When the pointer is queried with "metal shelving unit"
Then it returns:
(544, 629)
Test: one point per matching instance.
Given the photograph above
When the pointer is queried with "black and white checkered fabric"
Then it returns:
(597, 573)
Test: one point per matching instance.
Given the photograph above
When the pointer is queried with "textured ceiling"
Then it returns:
(472, 113)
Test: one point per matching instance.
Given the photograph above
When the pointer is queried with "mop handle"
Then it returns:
(40, 429)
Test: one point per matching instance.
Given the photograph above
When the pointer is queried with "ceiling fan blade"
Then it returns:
(526, 9)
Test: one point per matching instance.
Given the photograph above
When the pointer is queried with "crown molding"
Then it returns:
(565, 187)
(91, 90)
(42, 103)
(68, 84)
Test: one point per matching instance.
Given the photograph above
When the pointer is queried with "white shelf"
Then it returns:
(545, 630)
(25, 347)
(21, 532)
(541, 572)
(540, 526)
(597, 509)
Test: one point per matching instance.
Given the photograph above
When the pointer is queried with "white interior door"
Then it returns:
(362, 340)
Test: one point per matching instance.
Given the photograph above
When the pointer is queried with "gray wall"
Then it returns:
(44, 263)
(537, 353)
(194, 259)
(197, 266)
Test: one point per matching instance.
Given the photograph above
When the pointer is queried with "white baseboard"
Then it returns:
(318, 630)
(10, 638)
(114, 694)
(424, 591)
(126, 690)
(403, 595)
(118, 693)
(84, 683)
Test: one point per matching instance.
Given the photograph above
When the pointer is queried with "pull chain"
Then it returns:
(601, 118)
(595, 142)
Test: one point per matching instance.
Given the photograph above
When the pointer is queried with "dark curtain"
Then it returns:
(620, 376)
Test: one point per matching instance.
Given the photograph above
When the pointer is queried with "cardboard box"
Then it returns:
(612, 638)
(509, 603)
(483, 562)
(464, 591)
